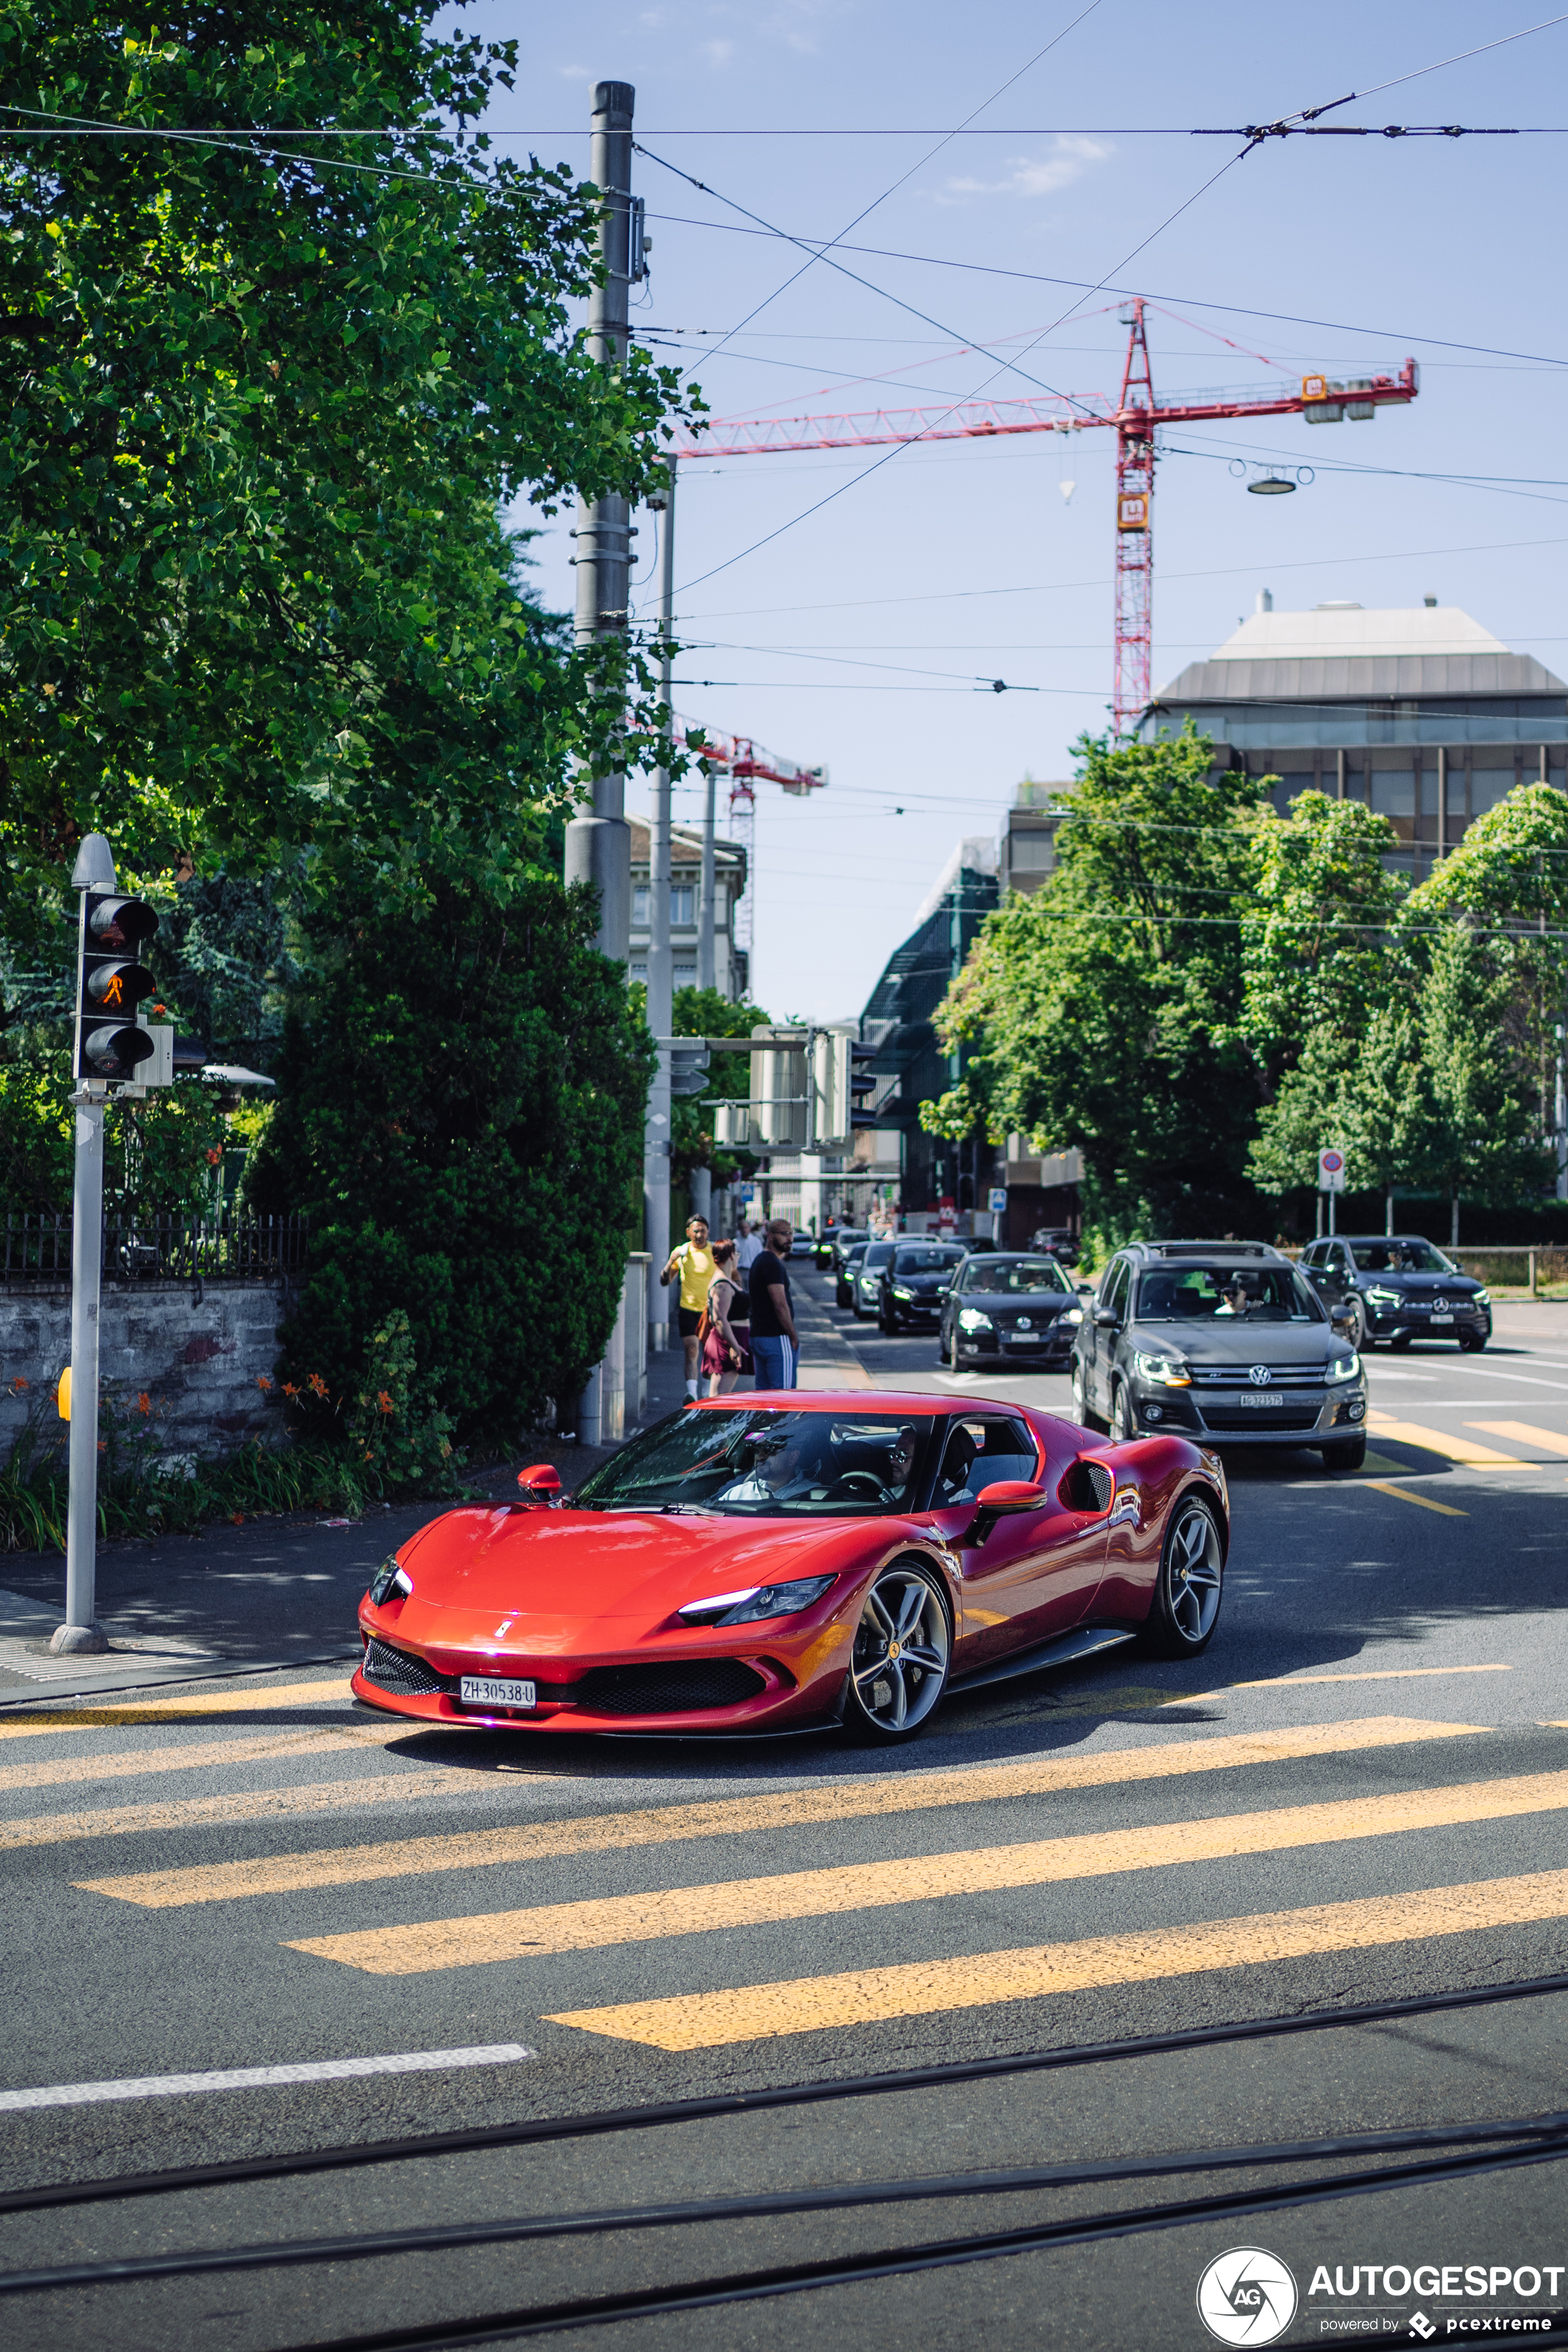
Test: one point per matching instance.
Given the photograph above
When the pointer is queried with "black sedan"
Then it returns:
(1398, 1288)
(1007, 1307)
(848, 1274)
(914, 1285)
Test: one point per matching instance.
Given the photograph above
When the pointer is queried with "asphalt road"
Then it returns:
(1359, 1796)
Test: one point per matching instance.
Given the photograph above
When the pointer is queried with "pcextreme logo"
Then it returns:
(1246, 2296)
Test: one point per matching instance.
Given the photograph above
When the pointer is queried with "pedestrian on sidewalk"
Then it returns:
(726, 1349)
(748, 1248)
(692, 1263)
(773, 1345)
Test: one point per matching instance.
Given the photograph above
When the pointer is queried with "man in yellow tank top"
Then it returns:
(693, 1263)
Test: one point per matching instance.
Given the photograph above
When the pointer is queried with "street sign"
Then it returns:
(998, 1199)
(1332, 1170)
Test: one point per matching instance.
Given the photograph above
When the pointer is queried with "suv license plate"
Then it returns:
(1258, 1403)
(478, 1690)
(1442, 1318)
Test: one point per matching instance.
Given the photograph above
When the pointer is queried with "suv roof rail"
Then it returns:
(1211, 1249)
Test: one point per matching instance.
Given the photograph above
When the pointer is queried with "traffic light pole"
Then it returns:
(81, 1630)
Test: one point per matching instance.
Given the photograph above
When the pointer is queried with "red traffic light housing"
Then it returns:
(110, 1043)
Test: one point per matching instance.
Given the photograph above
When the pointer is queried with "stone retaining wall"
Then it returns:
(197, 1351)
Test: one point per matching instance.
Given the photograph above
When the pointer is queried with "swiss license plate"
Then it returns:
(480, 1690)
(1260, 1403)
(1442, 1318)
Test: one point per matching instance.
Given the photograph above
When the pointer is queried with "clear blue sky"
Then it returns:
(962, 560)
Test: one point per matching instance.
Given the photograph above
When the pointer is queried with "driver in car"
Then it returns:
(1234, 1298)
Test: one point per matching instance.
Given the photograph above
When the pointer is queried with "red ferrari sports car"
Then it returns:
(781, 1560)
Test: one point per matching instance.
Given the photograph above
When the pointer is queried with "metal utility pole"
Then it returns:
(598, 845)
(81, 1631)
(658, 1131)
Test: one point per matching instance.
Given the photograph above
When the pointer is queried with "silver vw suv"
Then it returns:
(1221, 1341)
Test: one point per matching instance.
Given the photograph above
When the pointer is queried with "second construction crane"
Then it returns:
(1135, 415)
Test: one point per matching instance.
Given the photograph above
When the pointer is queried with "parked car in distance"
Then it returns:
(1055, 1241)
(1397, 1287)
(915, 1283)
(867, 1287)
(1225, 1341)
(1010, 1305)
(777, 1564)
(848, 1269)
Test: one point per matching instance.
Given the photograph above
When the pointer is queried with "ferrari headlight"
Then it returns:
(899, 1293)
(974, 1318)
(389, 1579)
(759, 1601)
(1343, 1368)
(1381, 1295)
(1165, 1371)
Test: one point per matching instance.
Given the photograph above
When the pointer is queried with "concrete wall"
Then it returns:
(198, 1359)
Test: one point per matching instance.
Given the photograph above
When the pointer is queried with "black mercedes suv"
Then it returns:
(1223, 1342)
(1398, 1288)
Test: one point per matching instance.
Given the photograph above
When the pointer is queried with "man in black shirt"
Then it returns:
(773, 1347)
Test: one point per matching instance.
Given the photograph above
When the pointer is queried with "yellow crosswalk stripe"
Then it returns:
(1524, 1432)
(1438, 1441)
(924, 1988)
(1408, 1494)
(247, 1805)
(777, 1809)
(247, 1700)
(1373, 1675)
(921, 1878)
(130, 1763)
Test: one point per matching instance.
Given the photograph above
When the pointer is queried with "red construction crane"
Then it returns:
(738, 757)
(1136, 414)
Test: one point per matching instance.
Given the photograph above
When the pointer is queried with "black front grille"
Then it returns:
(1260, 1424)
(1239, 1376)
(682, 1687)
(395, 1670)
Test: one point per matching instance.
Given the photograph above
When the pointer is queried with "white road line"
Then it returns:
(1484, 1372)
(251, 2078)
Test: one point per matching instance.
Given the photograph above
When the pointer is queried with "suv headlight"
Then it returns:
(1073, 1315)
(898, 1292)
(1343, 1368)
(389, 1579)
(762, 1601)
(1381, 1295)
(974, 1318)
(1481, 1298)
(1165, 1370)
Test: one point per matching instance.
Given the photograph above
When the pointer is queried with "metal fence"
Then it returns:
(37, 1246)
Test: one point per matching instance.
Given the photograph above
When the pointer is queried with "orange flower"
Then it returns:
(213, 1155)
(263, 1383)
(385, 1402)
(18, 1384)
(317, 1385)
(237, 1519)
(144, 1401)
(290, 1390)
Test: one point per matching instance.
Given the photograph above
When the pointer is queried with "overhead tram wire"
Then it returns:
(945, 140)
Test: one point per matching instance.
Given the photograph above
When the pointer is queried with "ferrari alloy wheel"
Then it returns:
(898, 1669)
(1120, 1424)
(1185, 1607)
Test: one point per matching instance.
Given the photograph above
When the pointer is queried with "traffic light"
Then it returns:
(688, 1066)
(111, 1041)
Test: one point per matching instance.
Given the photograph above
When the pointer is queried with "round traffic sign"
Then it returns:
(1331, 1162)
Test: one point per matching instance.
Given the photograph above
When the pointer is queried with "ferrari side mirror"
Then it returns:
(1011, 1495)
(541, 1486)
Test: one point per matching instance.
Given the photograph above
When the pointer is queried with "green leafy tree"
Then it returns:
(265, 404)
(1485, 1139)
(459, 1113)
(708, 1013)
(1105, 1011)
(1314, 932)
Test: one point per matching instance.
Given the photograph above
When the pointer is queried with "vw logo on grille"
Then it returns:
(1023, 1324)
(1261, 1376)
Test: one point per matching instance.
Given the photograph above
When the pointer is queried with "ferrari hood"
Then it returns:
(546, 1572)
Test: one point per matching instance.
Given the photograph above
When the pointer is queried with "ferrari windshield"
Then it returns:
(1226, 1294)
(758, 1462)
(1032, 1274)
(1400, 1257)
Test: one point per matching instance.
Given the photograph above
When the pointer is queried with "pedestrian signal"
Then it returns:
(111, 1041)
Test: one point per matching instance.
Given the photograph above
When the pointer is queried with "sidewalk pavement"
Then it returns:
(275, 1592)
